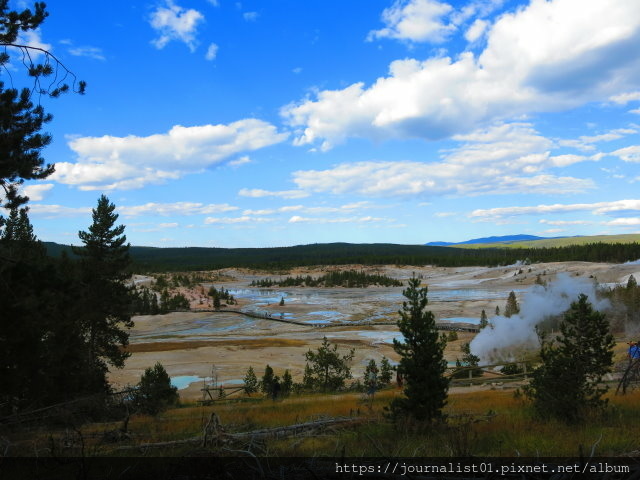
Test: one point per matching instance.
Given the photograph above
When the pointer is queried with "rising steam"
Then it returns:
(511, 337)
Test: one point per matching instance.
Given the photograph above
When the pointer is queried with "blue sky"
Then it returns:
(283, 122)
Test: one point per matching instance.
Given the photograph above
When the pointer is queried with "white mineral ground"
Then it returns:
(187, 344)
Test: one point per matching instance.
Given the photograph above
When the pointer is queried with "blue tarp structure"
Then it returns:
(634, 351)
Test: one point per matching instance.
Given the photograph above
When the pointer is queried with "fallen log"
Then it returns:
(215, 434)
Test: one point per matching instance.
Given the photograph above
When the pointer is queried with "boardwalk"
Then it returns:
(269, 316)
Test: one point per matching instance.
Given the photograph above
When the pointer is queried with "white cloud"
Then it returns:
(565, 222)
(624, 98)
(36, 192)
(623, 222)
(635, 110)
(177, 208)
(108, 162)
(32, 38)
(504, 158)
(234, 220)
(582, 56)
(319, 220)
(628, 154)
(240, 161)
(173, 22)
(404, 178)
(212, 52)
(90, 52)
(54, 211)
(476, 30)
(297, 70)
(259, 193)
(250, 16)
(585, 142)
(617, 207)
(416, 21)
(268, 211)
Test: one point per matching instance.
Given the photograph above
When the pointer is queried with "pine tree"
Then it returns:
(484, 321)
(422, 364)
(329, 368)
(386, 371)
(287, 383)
(155, 392)
(307, 378)
(267, 380)
(469, 360)
(567, 384)
(512, 307)
(371, 381)
(104, 260)
(250, 382)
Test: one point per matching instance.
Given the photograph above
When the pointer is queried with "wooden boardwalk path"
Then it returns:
(268, 316)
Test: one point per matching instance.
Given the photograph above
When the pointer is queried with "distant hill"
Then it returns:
(503, 239)
(556, 242)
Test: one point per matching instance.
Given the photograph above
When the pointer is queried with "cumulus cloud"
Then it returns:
(320, 220)
(54, 211)
(586, 142)
(631, 206)
(628, 154)
(406, 178)
(235, 220)
(173, 22)
(108, 162)
(623, 222)
(176, 208)
(259, 193)
(583, 56)
(250, 16)
(33, 38)
(416, 21)
(90, 52)
(565, 222)
(212, 52)
(36, 192)
(624, 98)
(504, 158)
(476, 30)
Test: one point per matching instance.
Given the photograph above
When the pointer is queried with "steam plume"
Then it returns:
(511, 337)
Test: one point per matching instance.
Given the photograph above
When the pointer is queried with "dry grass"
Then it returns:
(482, 423)
(248, 343)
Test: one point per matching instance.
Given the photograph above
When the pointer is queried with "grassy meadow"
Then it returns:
(493, 422)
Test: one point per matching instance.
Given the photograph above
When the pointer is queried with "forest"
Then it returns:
(151, 259)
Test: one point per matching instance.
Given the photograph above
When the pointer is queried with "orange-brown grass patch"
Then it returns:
(240, 343)
(489, 423)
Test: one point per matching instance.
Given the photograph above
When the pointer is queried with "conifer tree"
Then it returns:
(512, 307)
(484, 321)
(104, 260)
(422, 364)
(329, 368)
(386, 371)
(267, 380)
(568, 383)
(287, 383)
(250, 382)
(371, 380)
(155, 392)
